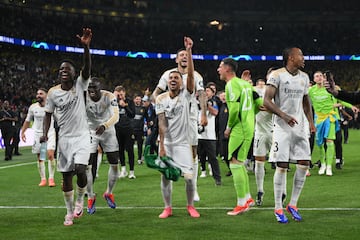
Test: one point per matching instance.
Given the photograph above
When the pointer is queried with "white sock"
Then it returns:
(69, 201)
(99, 159)
(51, 168)
(190, 190)
(89, 186)
(196, 172)
(123, 168)
(259, 175)
(279, 186)
(41, 167)
(298, 184)
(80, 193)
(166, 190)
(112, 177)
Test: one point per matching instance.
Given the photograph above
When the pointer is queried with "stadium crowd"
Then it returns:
(25, 70)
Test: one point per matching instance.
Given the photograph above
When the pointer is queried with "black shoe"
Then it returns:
(259, 198)
(17, 154)
(338, 166)
(318, 163)
(273, 165)
(311, 165)
(218, 182)
(229, 174)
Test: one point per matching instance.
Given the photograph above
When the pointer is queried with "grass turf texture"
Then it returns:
(330, 206)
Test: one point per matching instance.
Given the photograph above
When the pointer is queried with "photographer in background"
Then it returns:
(124, 130)
(207, 138)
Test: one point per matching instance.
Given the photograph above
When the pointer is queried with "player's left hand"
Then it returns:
(188, 43)
(85, 39)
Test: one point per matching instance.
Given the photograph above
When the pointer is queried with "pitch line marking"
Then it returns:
(17, 165)
(202, 208)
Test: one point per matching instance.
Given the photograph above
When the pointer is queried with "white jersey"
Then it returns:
(289, 95)
(103, 112)
(263, 122)
(177, 115)
(199, 85)
(68, 108)
(36, 114)
(209, 132)
(290, 143)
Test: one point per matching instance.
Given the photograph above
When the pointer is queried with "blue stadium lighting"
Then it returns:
(133, 54)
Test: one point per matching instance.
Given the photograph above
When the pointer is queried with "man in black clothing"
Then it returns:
(124, 130)
(8, 120)
(138, 124)
(152, 126)
(223, 117)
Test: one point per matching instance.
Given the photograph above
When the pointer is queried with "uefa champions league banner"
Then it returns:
(29, 139)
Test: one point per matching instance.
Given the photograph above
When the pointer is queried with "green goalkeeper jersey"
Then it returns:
(240, 100)
(323, 102)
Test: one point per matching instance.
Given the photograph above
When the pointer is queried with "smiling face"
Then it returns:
(94, 90)
(66, 72)
(181, 59)
(174, 81)
(40, 96)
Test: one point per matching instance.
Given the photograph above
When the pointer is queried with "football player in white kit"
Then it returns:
(36, 115)
(172, 108)
(288, 86)
(102, 112)
(182, 67)
(262, 141)
(66, 102)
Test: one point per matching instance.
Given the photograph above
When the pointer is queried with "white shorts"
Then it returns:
(50, 142)
(107, 140)
(290, 145)
(73, 150)
(193, 132)
(262, 143)
(182, 156)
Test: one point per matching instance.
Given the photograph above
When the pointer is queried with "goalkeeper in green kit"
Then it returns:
(326, 121)
(242, 100)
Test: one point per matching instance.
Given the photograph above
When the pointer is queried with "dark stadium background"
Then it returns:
(243, 27)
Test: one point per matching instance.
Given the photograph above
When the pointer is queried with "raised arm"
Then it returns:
(190, 82)
(85, 40)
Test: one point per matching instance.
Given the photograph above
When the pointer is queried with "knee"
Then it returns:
(80, 169)
(113, 157)
(188, 176)
(284, 165)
